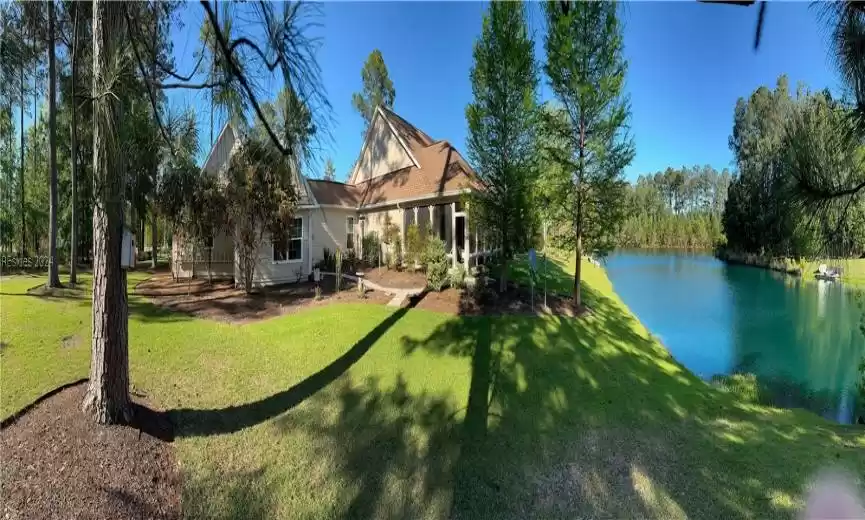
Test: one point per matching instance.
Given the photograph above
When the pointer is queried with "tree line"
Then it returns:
(784, 144)
(676, 208)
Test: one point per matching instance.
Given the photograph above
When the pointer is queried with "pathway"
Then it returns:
(399, 295)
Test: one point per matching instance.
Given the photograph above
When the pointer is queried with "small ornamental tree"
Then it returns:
(208, 211)
(260, 198)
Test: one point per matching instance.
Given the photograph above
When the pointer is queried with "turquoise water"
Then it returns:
(801, 339)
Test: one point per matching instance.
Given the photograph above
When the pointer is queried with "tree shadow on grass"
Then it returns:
(388, 451)
(229, 494)
(592, 418)
(191, 422)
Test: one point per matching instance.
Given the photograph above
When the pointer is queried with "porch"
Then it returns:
(448, 220)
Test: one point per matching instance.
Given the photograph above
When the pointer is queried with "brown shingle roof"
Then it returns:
(334, 193)
(441, 169)
(415, 138)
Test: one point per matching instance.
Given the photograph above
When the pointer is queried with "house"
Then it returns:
(402, 176)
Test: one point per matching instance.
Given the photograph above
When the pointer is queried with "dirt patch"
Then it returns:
(58, 464)
(488, 302)
(75, 292)
(70, 341)
(223, 302)
(395, 279)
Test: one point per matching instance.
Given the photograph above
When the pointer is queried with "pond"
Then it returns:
(801, 339)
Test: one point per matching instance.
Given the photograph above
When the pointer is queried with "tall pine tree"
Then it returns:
(377, 88)
(586, 71)
(501, 119)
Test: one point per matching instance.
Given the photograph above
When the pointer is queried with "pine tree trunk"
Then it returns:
(107, 397)
(53, 267)
(73, 132)
(578, 225)
(23, 251)
(153, 239)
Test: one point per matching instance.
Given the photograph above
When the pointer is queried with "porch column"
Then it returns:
(416, 223)
(466, 238)
(454, 233)
(402, 236)
(430, 209)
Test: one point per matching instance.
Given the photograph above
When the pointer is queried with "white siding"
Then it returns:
(221, 151)
(383, 153)
(329, 230)
(268, 272)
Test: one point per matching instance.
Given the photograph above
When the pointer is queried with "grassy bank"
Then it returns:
(854, 268)
(361, 411)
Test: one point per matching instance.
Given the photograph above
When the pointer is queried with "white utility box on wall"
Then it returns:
(126, 249)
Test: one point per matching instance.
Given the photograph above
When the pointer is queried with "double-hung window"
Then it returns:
(288, 243)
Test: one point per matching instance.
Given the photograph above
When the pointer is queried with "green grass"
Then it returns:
(854, 270)
(360, 411)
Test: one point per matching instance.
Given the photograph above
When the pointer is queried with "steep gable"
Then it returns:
(227, 144)
(382, 152)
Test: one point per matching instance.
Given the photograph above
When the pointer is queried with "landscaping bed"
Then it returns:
(517, 300)
(58, 464)
(396, 279)
(221, 301)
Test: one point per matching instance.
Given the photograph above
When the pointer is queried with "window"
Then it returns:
(288, 245)
(349, 233)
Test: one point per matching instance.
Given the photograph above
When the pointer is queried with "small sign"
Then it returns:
(533, 259)
(126, 249)
(316, 275)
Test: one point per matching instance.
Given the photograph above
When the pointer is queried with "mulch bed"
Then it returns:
(395, 279)
(223, 302)
(516, 300)
(57, 463)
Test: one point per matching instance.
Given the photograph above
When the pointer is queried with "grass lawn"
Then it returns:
(854, 270)
(362, 411)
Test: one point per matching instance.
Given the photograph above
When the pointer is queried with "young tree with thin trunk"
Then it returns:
(501, 119)
(53, 266)
(586, 70)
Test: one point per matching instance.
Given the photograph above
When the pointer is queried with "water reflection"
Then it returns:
(801, 339)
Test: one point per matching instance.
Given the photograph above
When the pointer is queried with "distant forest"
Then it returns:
(676, 208)
(779, 139)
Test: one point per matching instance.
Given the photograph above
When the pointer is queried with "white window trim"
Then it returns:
(302, 238)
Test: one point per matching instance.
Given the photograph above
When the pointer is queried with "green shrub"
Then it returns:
(328, 261)
(393, 258)
(436, 262)
(371, 249)
(457, 277)
(350, 263)
(415, 245)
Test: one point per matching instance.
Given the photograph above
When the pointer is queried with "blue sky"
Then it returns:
(689, 62)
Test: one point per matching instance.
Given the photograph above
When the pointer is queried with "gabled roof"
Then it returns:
(226, 145)
(438, 169)
(332, 193)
